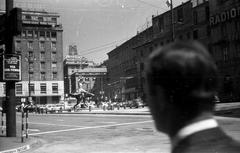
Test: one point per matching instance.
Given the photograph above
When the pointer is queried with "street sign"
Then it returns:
(11, 67)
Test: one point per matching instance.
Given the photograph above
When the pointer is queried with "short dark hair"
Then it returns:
(183, 69)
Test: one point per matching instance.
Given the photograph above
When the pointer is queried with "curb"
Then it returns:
(17, 150)
(110, 113)
(24, 148)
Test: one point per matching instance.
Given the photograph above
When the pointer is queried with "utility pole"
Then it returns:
(10, 85)
(172, 20)
(11, 24)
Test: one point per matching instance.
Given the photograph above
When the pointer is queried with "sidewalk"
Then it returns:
(14, 145)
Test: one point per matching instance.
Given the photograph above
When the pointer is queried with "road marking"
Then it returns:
(101, 115)
(91, 127)
(34, 130)
(109, 122)
(56, 124)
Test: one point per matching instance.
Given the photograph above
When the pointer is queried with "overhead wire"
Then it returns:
(101, 47)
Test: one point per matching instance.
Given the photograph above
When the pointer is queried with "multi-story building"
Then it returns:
(225, 47)
(122, 71)
(190, 21)
(142, 51)
(41, 48)
(72, 64)
(93, 78)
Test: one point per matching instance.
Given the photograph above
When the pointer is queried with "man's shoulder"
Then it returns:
(208, 141)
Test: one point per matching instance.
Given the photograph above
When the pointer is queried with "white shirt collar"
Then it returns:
(193, 128)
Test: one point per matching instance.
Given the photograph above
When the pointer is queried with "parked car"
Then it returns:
(54, 107)
(136, 103)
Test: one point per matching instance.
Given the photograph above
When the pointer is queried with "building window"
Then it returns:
(53, 46)
(207, 12)
(30, 45)
(48, 34)
(28, 17)
(32, 90)
(42, 66)
(141, 66)
(54, 19)
(54, 75)
(224, 30)
(54, 65)
(4, 88)
(180, 15)
(195, 34)
(42, 34)
(54, 56)
(43, 88)
(43, 76)
(18, 89)
(42, 55)
(35, 34)
(30, 33)
(195, 17)
(161, 24)
(30, 55)
(54, 88)
(41, 45)
(23, 33)
(54, 34)
(40, 18)
(141, 53)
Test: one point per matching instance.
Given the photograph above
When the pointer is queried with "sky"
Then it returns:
(98, 26)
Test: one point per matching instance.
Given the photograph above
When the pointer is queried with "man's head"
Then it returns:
(182, 80)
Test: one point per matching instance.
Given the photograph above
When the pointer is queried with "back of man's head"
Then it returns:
(186, 72)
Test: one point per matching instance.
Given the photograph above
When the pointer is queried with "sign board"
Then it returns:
(11, 67)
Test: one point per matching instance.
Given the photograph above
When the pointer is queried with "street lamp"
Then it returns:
(28, 59)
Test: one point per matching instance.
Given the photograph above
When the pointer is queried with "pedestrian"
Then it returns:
(182, 80)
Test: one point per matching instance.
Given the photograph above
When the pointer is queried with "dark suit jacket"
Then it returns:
(208, 141)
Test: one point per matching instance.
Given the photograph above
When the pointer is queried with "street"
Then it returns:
(104, 133)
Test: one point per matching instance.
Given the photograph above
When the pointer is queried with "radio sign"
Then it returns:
(11, 67)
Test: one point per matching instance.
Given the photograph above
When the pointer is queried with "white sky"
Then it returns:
(97, 26)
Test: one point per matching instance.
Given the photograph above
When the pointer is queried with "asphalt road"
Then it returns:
(104, 133)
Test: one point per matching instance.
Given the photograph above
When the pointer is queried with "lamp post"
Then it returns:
(28, 59)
